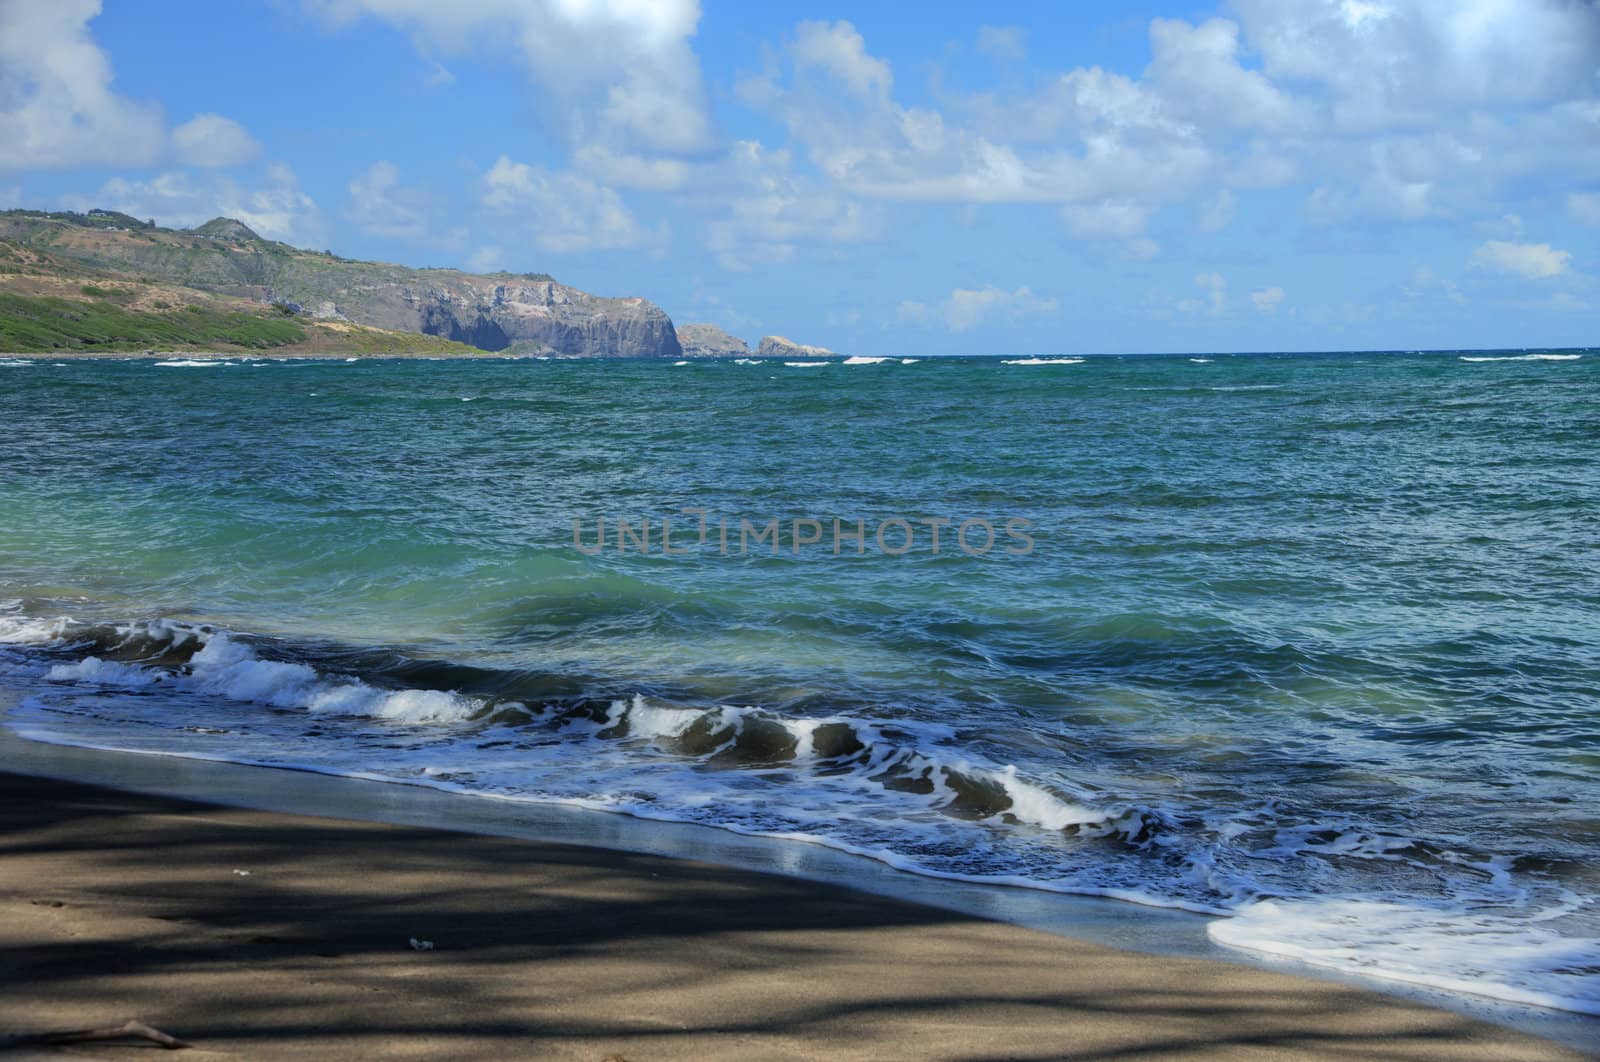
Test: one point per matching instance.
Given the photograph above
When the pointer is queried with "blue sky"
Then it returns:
(875, 177)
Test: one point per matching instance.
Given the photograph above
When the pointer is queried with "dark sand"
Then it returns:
(115, 905)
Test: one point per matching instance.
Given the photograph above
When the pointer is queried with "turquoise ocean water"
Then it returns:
(1310, 644)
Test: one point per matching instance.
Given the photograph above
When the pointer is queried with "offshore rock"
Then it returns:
(709, 341)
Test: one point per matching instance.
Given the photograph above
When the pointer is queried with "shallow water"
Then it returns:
(1308, 643)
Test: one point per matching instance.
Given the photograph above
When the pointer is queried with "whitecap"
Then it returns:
(1460, 950)
(1525, 357)
(804, 364)
(1043, 361)
(862, 360)
(192, 363)
(909, 361)
(228, 668)
(1201, 361)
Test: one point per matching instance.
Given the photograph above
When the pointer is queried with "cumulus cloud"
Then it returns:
(966, 308)
(58, 108)
(1401, 110)
(839, 49)
(621, 73)
(622, 169)
(381, 205)
(1267, 300)
(1424, 282)
(1535, 261)
(765, 210)
(1383, 64)
(1196, 74)
(563, 211)
(275, 207)
(214, 141)
(1214, 300)
(1106, 219)
(1584, 207)
(1216, 213)
(487, 259)
(1003, 44)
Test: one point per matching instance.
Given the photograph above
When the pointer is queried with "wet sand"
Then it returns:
(270, 935)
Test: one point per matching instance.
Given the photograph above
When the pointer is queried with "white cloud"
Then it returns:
(57, 107)
(620, 169)
(839, 49)
(966, 308)
(214, 141)
(620, 73)
(1534, 261)
(438, 75)
(1217, 212)
(1003, 44)
(564, 211)
(1197, 74)
(487, 259)
(1267, 300)
(275, 208)
(381, 205)
(766, 210)
(1396, 63)
(1106, 219)
(1584, 207)
(1215, 298)
(1341, 91)
(1424, 280)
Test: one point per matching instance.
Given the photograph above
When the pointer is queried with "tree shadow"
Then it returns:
(276, 935)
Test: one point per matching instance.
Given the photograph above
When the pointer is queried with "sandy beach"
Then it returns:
(270, 935)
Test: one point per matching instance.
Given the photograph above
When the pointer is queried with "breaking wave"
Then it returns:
(922, 796)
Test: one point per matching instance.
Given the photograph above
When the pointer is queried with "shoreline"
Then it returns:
(286, 935)
(270, 354)
(1162, 944)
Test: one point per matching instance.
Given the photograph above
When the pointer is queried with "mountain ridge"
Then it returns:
(44, 254)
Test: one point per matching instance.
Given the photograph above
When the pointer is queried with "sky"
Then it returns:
(873, 177)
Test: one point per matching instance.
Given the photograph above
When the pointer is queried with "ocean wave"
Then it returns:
(917, 795)
(862, 360)
(1524, 357)
(805, 364)
(192, 363)
(199, 659)
(1043, 361)
(1435, 946)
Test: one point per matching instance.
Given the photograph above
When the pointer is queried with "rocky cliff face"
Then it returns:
(779, 347)
(709, 341)
(505, 313)
(529, 313)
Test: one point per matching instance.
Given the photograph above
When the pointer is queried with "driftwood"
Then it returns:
(131, 1029)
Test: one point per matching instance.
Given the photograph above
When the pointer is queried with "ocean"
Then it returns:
(1307, 644)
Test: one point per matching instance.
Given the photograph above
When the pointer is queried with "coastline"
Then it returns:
(268, 354)
(817, 968)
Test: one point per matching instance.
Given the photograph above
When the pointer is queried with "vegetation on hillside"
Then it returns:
(40, 323)
(35, 324)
